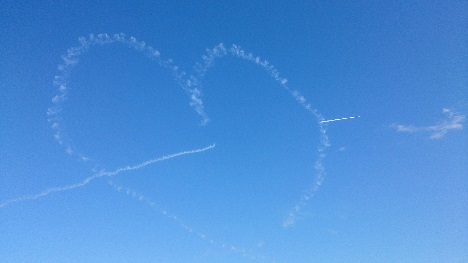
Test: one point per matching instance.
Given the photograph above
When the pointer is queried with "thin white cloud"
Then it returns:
(453, 122)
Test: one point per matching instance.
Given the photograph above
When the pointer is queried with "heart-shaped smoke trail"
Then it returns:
(70, 60)
(191, 85)
(249, 253)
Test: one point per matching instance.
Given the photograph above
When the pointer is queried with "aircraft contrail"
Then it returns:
(191, 84)
(244, 252)
(220, 51)
(102, 174)
(71, 59)
(340, 119)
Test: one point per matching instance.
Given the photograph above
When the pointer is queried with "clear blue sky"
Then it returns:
(391, 186)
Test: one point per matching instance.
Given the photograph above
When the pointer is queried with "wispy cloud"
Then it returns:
(453, 122)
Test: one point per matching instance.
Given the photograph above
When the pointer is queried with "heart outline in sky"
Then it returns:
(189, 84)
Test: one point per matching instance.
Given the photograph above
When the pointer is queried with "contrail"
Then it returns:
(220, 51)
(71, 59)
(240, 250)
(237, 51)
(192, 85)
(293, 215)
(102, 174)
(340, 119)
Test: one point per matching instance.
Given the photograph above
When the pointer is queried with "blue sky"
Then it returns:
(189, 149)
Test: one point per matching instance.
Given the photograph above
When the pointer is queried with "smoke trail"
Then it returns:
(240, 250)
(220, 51)
(71, 59)
(319, 168)
(340, 119)
(102, 174)
(192, 85)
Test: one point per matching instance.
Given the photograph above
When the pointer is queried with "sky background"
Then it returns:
(395, 187)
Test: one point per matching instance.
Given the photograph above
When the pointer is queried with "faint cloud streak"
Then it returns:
(453, 122)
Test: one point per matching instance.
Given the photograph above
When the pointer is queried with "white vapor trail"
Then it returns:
(71, 59)
(191, 83)
(220, 51)
(236, 51)
(340, 119)
(240, 250)
(102, 174)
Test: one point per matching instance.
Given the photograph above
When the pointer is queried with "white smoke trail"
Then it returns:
(220, 51)
(191, 85)
(340, 119)
(102, 174)
(71, 59)
(240, 250)
(294, 214)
